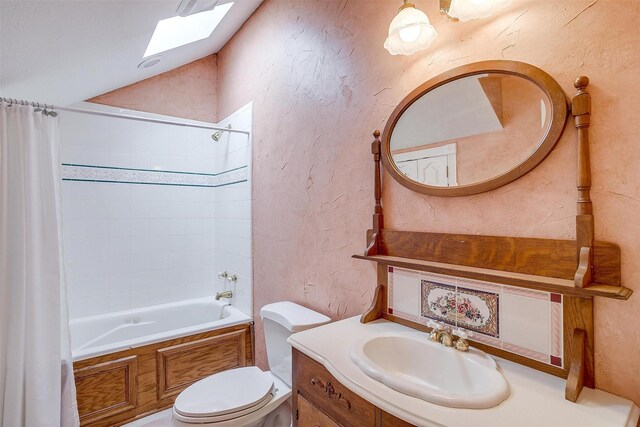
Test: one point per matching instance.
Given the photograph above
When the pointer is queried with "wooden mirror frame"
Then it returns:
(559, 111)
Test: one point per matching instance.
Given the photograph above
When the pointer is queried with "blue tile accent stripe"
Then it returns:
(92, 173)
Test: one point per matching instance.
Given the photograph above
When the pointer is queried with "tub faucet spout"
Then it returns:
(225, 294)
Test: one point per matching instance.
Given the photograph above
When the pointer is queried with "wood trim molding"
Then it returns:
(559, 110)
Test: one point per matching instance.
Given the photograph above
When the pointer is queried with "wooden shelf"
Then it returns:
(543, 283)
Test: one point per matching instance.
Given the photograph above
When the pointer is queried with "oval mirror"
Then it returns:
(474, 128)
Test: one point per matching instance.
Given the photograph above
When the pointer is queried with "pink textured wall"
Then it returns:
(188, 92)
(321, 82)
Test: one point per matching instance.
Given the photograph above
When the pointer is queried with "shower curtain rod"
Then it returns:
(119, 115)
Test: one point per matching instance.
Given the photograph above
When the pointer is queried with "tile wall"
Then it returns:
(522, 321)
(152, 212)
(232, 211)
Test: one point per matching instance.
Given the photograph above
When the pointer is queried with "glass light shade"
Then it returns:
(409, 32)
(466, 10)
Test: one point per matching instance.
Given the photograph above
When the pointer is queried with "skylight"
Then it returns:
(178, 31)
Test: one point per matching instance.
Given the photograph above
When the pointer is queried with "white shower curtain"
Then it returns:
(36, 375)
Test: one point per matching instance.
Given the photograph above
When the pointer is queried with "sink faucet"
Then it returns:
(225, 294)
(447, 338)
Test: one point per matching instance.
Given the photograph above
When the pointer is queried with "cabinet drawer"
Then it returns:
(325, 392)
(310, 416)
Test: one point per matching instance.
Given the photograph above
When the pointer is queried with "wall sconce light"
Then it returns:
(410, 31)
(466, 10)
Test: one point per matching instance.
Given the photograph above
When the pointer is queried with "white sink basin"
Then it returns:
(413, 365)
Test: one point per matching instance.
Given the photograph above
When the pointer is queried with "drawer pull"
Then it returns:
(330, 392)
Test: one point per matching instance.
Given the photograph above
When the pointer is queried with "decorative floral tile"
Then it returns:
(478, 311)
(439, 301)
(472, 309)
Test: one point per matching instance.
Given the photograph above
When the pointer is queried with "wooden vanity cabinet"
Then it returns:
(319, 400)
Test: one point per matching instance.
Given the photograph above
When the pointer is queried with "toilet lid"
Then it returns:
(226, 393)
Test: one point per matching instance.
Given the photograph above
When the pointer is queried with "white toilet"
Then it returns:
(248, 397)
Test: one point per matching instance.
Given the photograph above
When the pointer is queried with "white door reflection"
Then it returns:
(430, 166)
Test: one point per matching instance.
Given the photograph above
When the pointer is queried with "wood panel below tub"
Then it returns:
(119, 387)
(107, 388)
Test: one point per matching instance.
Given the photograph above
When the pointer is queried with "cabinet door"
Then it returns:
(311, 416)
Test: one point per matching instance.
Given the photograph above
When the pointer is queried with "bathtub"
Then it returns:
(98, 335)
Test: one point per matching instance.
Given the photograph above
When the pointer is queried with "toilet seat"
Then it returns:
(225, 396)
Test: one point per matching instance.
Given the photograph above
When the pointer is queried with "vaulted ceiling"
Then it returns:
(65, 51)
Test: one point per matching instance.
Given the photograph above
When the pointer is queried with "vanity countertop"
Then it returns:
(536, 399)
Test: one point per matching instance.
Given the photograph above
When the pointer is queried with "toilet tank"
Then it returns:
(281, 319)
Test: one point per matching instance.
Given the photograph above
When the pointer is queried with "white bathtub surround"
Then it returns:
(148, 208)
(36, 376)
(532, 392)
(232, 210)
(107, 333)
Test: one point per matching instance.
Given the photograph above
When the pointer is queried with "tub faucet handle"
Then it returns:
(223, 275)
(233, 278)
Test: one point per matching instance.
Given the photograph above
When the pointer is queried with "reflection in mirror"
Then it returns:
(470, 130)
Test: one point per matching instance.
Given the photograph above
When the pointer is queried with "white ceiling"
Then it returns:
(65, 51)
